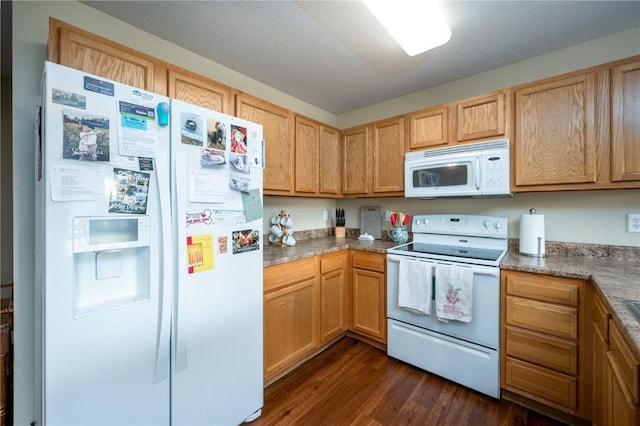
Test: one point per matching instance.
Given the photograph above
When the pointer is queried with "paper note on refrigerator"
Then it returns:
(70, 183)
(199, 253)
(137, 130)
(252, 203)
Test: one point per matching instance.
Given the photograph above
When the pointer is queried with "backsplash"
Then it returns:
(601, 251)
(553, 248)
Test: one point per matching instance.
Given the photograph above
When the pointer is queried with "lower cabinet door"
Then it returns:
(290, 325)
(369, 304)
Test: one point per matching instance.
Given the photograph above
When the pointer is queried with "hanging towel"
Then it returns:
(414, 286)
(454, 293)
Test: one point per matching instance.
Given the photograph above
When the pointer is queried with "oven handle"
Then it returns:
(478, 270)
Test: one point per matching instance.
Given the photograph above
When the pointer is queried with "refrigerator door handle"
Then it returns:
(161, 368)
(180, 188)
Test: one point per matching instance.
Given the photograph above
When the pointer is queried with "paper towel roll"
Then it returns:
(532, 240)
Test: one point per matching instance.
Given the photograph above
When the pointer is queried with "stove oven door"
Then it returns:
(484, 327)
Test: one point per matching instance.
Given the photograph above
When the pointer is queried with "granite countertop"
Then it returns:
(274, 255)
(617, 280)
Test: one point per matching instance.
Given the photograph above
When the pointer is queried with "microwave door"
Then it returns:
(444, 179)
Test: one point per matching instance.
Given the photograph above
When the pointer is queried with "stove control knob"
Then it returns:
(497, 225)
(485, 223)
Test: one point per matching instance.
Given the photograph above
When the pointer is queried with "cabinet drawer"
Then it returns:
(546, 351)
(288, 273)
(370, 261)
(543, 287)
(548, 318)
(332, 262)
(556, 389)
(625, 360)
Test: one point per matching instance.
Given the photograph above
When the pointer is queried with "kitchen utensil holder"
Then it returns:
(339, 231)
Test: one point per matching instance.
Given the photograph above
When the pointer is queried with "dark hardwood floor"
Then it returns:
(353, 383)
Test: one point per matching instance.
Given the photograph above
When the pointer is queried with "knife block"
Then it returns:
(339, 231)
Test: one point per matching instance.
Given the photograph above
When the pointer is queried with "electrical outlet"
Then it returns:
(387, 215)
(325, 215)
(633, 222)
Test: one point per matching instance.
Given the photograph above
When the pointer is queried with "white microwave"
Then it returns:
(470, 170)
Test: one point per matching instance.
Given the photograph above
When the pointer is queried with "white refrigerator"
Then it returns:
(148, 258)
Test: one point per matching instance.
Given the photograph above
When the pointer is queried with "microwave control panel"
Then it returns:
(495, 172)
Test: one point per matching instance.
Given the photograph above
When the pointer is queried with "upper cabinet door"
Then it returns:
(330, 161)
(355, 154)
(277, 131)
(482, 118)
(78, 49)
(429, 128)
(554, 139)
(388, 155)
(199, 91)
(307, 148)
(625, 123)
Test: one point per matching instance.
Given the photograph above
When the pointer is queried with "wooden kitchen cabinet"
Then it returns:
(483, 117)
(291, 312)
(579, 130)
(333, 295)
(75, 48)
(600, 340)
(355, 157)
(623, 378)
(373, 159)
(625, 122)
(317, 158)
(473, 119)
(368, 294)
(388, 156)
(197, 90)
(544, 354)
(278, 129)
(307, 156)
(555, 137)
(429, 128)
(330, 161)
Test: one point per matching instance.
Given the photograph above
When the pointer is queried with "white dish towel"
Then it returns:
(414, 286)
(454, 293)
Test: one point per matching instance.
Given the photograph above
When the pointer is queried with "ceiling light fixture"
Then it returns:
(417, 25)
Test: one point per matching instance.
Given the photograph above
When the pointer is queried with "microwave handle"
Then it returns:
(476, 173)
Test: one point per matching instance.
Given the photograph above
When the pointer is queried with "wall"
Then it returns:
(6, 257)
(30, 32)
(591, 217)
(307, 213)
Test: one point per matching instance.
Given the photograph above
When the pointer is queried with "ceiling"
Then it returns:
(336, 56)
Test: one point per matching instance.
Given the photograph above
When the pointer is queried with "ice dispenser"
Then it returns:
(112, 263)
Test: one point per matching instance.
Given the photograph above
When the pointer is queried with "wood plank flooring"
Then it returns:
(353, 383)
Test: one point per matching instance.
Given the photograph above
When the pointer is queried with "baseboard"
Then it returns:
(543, 409)
(368, 340)
(301, 361)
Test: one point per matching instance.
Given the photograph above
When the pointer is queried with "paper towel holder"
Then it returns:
(539, 243)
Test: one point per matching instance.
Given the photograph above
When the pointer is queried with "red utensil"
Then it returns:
(406, 220)
(393, 217)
